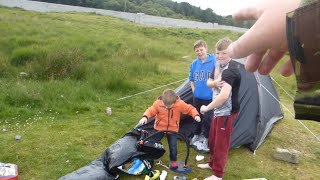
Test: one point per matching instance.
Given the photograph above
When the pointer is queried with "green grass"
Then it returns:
(79, 64)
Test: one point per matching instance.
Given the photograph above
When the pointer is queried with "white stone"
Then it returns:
(199, 157)
(109, 111)
(288, 155)
(18, 137)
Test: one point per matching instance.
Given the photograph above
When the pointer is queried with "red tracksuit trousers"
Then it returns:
(219, 143)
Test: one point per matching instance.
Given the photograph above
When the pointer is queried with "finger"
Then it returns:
(250, 13)
(256, 39)
(287, 69)
(269, 61)
(253, 61)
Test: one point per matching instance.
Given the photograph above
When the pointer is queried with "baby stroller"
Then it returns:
(135, 153)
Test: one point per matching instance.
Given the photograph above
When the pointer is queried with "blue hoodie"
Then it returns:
(199, 74)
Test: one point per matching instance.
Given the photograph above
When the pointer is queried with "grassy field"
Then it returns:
(79, 64)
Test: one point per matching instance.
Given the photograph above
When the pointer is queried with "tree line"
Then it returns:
(164, 8)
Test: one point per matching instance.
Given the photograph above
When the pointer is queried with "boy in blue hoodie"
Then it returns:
(200, 71)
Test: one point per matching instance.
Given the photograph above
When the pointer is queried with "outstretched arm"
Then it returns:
(219, 100)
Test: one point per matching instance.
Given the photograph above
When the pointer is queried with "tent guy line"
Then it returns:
(152, 89)
(282, 88)
(260, 85)
(289, 111)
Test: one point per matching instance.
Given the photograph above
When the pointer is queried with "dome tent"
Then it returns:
(259, 111)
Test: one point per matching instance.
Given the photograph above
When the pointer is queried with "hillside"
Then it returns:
(164, 8)
(76, 64)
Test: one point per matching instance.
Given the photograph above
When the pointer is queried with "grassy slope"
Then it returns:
(68, 128)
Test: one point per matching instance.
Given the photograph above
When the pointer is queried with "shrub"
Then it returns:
(3, 67)
(21, 56)
(21, 96)
(143, 68)
(118, 84)
(113, 76)
(26, 41)
(59, 64)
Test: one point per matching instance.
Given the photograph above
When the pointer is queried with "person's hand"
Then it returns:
(143, 121)
(218, 83)
(197, 118)
(203, 109)
(266, 36)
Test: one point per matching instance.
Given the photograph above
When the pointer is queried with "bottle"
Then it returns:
(163, 175)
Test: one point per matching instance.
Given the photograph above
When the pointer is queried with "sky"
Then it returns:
(220, 7)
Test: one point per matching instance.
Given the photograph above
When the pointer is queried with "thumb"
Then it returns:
(248, 43)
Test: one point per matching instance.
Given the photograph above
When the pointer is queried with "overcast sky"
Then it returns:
(220, 7)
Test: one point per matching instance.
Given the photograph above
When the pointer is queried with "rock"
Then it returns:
(109, 111)
(18, 137)
(291, 156)
(199, 157)
(24, 75)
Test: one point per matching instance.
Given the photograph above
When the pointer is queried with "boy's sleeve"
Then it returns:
(188, 109)
(151, 111)
(213, 72)
(215, 69)
(191, 72)
(229, 76)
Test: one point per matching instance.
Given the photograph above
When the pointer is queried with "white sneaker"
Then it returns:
(194, 139)
(202, 138)
(197, 145)
(205, 146)
(213, 177)
(204, 166)
(201, 146)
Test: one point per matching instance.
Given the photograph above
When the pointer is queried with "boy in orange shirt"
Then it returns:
(167, 109)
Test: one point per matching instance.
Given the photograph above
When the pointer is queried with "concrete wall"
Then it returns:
(134, 17)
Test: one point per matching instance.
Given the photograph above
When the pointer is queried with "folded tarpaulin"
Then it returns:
(105, 167)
